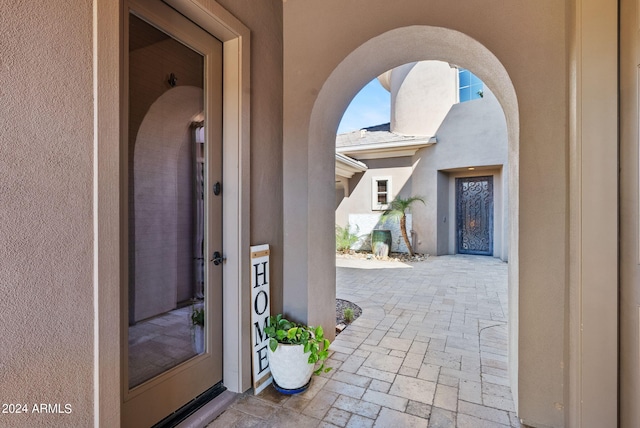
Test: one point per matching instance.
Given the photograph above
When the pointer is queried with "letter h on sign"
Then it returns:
(261, 274)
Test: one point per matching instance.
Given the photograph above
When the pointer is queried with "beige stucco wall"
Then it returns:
(320, 36)
(46, 173)
(264, 19)
(358, 210)
(421, 95)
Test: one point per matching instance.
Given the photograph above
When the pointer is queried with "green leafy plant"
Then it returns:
(197, 317)
(398, 208)
(281, 330)
(344, 238)
(348, 315)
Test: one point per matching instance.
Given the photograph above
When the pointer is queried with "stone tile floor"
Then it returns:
(158, 344)
(430, 350)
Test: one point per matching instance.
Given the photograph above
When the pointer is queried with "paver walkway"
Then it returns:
(430, 350)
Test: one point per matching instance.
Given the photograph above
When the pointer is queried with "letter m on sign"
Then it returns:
(258, 332)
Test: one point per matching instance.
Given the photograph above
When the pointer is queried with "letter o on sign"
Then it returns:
(265, 302)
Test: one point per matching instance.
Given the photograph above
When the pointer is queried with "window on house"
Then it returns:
(381, 195)
(470, 86)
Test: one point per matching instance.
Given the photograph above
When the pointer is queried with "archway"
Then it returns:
(162, 223)
(372, 58)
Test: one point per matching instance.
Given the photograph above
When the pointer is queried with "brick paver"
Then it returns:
(430, 350)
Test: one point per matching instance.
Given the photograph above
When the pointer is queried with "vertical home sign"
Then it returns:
(260, 311)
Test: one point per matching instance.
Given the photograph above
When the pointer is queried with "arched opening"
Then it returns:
(372, 58)
(162, 214)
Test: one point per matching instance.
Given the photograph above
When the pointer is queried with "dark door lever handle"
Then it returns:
(217, 258)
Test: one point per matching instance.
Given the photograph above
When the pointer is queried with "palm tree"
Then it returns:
(397, 208)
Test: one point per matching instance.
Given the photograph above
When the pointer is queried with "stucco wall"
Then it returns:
(421, 95)
(330, 53)
(264, 19)
(359, 201)
(46, 137)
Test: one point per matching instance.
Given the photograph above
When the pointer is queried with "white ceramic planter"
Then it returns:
(290, 366)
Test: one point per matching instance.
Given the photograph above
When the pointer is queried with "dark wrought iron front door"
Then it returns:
(474, 212)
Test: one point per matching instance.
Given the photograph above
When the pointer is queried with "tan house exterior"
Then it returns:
(434, 139)
(564, 73)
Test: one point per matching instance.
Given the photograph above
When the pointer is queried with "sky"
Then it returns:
(371, 106)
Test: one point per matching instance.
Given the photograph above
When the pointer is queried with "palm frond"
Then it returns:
(399, 206)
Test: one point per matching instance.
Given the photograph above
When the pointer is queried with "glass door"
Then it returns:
(173, 294)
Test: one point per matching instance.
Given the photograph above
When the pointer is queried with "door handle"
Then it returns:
(217, 258)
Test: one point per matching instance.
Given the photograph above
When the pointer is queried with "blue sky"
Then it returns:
(371, 106)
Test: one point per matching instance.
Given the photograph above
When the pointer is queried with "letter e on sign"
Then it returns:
(260, 312)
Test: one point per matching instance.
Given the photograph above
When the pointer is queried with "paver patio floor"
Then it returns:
(429, 350)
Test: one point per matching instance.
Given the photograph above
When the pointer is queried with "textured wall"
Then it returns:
(264, 19)
(356, 209)
(421, 95)
(331, 51)
(360, 200)
(46, 138)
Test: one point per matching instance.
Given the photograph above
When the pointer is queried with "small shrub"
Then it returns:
(348, 315)
(344, 238)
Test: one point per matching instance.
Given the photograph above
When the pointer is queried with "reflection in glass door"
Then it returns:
(167, 270)
(174, 152)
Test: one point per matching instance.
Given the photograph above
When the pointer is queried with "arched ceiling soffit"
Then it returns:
(400, 46)
(168, 118)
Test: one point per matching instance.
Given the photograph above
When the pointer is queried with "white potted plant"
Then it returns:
(293, 352)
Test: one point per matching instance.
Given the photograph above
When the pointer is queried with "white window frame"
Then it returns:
(375, 205)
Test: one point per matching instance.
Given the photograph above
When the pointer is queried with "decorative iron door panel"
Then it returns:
(474, 212)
